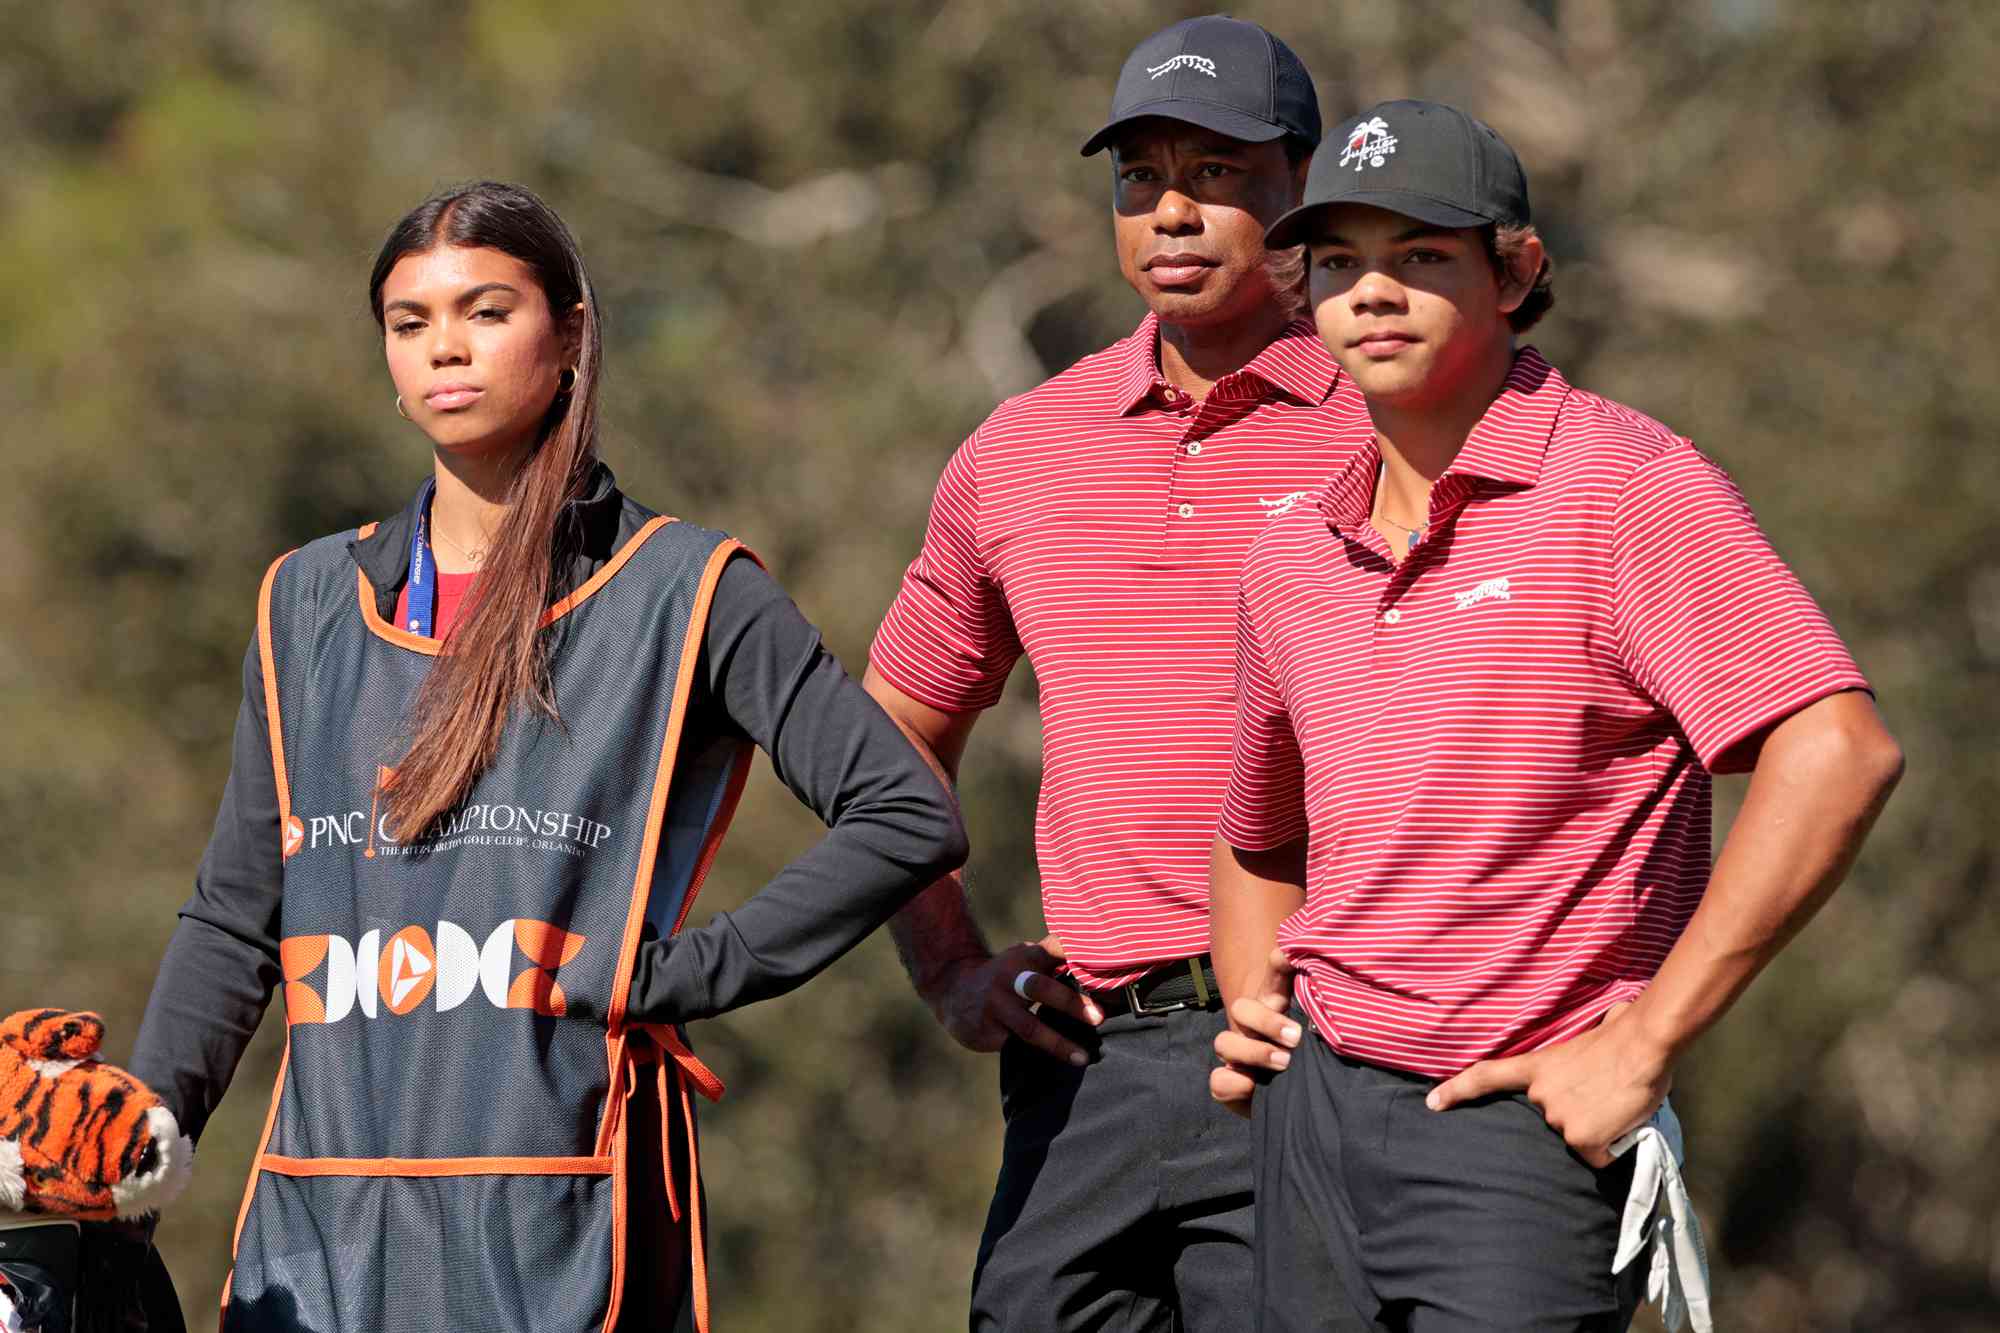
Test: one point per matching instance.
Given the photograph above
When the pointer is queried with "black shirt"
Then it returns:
(763, 674)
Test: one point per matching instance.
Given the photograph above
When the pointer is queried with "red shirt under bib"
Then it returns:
(451, 590)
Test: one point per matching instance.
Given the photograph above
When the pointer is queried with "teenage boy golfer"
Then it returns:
(1485, 676)
(1097, 524)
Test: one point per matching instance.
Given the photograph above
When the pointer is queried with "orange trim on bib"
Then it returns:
(656, 811)
(590, 586)
(679, 1069)
(267, 660)
(435, 1166)
(417, 643)
(618, 1049)
(725, 812)
(697, 1245)
(250, 1187)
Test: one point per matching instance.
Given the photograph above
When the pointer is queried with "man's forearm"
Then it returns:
(935, 933)
(1824, 776)
(1250, 895)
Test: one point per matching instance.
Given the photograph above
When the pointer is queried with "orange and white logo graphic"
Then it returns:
(327, 977)
(408, 969)
(299, 956)
(295, 834)
(548, 949)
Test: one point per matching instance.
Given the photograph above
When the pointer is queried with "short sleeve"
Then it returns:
(1712, 624)
(1264, 804)
(948, 640)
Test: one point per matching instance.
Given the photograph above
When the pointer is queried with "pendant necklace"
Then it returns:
(1416, 534)
(477, 559)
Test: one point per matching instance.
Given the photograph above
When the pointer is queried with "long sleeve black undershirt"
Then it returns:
(892, 829)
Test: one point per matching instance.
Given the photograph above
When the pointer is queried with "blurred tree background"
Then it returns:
(828, 238)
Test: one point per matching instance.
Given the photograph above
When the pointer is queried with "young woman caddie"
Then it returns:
(486, 753)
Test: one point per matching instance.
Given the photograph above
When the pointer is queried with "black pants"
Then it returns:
(1376, 1213)
(1123, 1204)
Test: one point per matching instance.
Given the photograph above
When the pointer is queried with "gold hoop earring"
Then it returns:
(399, 408)
(566, 381)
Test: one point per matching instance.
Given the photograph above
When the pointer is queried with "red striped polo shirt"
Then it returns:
(1500, 749)
(1098, 523)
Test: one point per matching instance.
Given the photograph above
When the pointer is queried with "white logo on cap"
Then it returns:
(1369, 145)
(1202, 63)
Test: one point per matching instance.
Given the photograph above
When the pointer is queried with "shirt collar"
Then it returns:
(1507, 446)
(1140, 370)
(1295, 363)
(1508, 443)
(1350, 493)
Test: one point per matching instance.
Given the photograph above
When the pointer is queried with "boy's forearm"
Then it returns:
(1824, 776)
(1250, 895)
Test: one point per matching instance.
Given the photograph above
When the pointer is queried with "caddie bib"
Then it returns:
(446, 1146)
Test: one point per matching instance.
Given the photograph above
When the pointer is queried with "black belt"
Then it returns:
(1186, 984)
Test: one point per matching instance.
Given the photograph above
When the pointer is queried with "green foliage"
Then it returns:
(828, 237)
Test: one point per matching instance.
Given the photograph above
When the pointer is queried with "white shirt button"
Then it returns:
(1194, 446)
(1187, 511)
(1391, 616)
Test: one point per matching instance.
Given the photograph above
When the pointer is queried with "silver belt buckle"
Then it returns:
(1200, 1000)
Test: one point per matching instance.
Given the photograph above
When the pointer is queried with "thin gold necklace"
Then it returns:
(476, 558)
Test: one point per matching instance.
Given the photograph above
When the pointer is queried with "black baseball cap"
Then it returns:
(1220, 73)
(1424, 160)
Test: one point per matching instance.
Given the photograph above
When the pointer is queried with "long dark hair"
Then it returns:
(494, 658)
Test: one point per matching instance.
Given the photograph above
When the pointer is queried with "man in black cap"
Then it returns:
(1484, 676)
(1095, 524)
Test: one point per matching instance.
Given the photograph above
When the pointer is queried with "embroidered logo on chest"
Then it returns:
(1283, 504)
(1493, 590)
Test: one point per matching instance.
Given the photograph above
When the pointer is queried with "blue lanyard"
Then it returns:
(422, 586)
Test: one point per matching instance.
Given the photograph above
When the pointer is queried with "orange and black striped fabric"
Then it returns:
(80, 1128)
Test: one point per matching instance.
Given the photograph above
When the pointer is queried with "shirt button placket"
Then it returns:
(1190, 447)
(1388, 642)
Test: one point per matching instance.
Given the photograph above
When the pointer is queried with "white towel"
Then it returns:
(1660, 1223)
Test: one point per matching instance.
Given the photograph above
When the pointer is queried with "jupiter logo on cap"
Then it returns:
(1369, 144)
(1201, 64)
